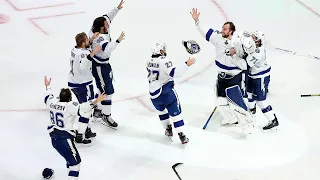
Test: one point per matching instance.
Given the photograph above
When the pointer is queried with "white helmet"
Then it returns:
(248, 44)
(157, 47)
(259, 35)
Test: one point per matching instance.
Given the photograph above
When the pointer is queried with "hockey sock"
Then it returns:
(74, 172)
(251, 103)
(106, 105)
(178, 123)
(266, 110)
(164, 118)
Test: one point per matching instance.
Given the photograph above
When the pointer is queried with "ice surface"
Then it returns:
(139, 149)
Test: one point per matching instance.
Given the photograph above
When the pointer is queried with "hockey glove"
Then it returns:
(192, 47)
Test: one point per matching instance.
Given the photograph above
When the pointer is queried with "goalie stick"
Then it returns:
(174, 169)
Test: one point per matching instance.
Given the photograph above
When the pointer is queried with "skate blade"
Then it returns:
(81, 145)
(274, 129)
(107, 125)
(170, 137)
(92, 138)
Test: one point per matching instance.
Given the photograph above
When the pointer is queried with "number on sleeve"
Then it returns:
(168, 64)
(100, 40)
(71, 65)
(57, 119)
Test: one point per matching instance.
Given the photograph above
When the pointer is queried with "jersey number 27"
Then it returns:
(153, 75)
(56, 119)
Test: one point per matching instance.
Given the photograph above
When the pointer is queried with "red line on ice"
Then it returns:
(139, 96)
(32, 20)
(35, 8)
(307, 7)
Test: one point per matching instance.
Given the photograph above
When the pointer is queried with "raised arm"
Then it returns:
(108, 47)
(48, 94)
(84, 109)
(209, 34)
(171, 70)
(111, 14)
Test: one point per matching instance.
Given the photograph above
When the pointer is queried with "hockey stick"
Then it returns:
(309, 95)
(297, 54)
(174, 169)
(205, 126)
(269, 45)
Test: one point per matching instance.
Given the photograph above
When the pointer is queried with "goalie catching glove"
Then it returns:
(192, 47)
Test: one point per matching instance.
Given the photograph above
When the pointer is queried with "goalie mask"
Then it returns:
(192, 47)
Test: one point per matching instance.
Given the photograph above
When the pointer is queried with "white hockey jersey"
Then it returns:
(107, 47)
(105, 40)
(260, 67)
(109, 16)
(224, 62)
(161, 72)
(62, 114)
(80, 73)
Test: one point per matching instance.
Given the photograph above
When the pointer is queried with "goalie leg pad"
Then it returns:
(225, 111)
(240, 109)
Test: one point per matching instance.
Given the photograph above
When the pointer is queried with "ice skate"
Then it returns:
(80, 140)
(108, 121)
(272, 125)
(89, 134)
(183, 138)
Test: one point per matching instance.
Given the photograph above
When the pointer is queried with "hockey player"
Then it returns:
(231, 74)
(63, 113)
(161, 74)
(101, 68)
(258, 82)
(80, 81)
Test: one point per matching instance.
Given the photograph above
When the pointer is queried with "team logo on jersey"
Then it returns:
(226, 43)
(75, 103)
(257, 50)
(82, 56)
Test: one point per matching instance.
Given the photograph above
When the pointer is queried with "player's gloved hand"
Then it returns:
(192, 47)
(121, 37)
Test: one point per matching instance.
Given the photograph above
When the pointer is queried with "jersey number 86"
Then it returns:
(56, 119)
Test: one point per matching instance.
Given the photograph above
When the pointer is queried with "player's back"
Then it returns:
(62, 116)
(80, 72)
(159, 69)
